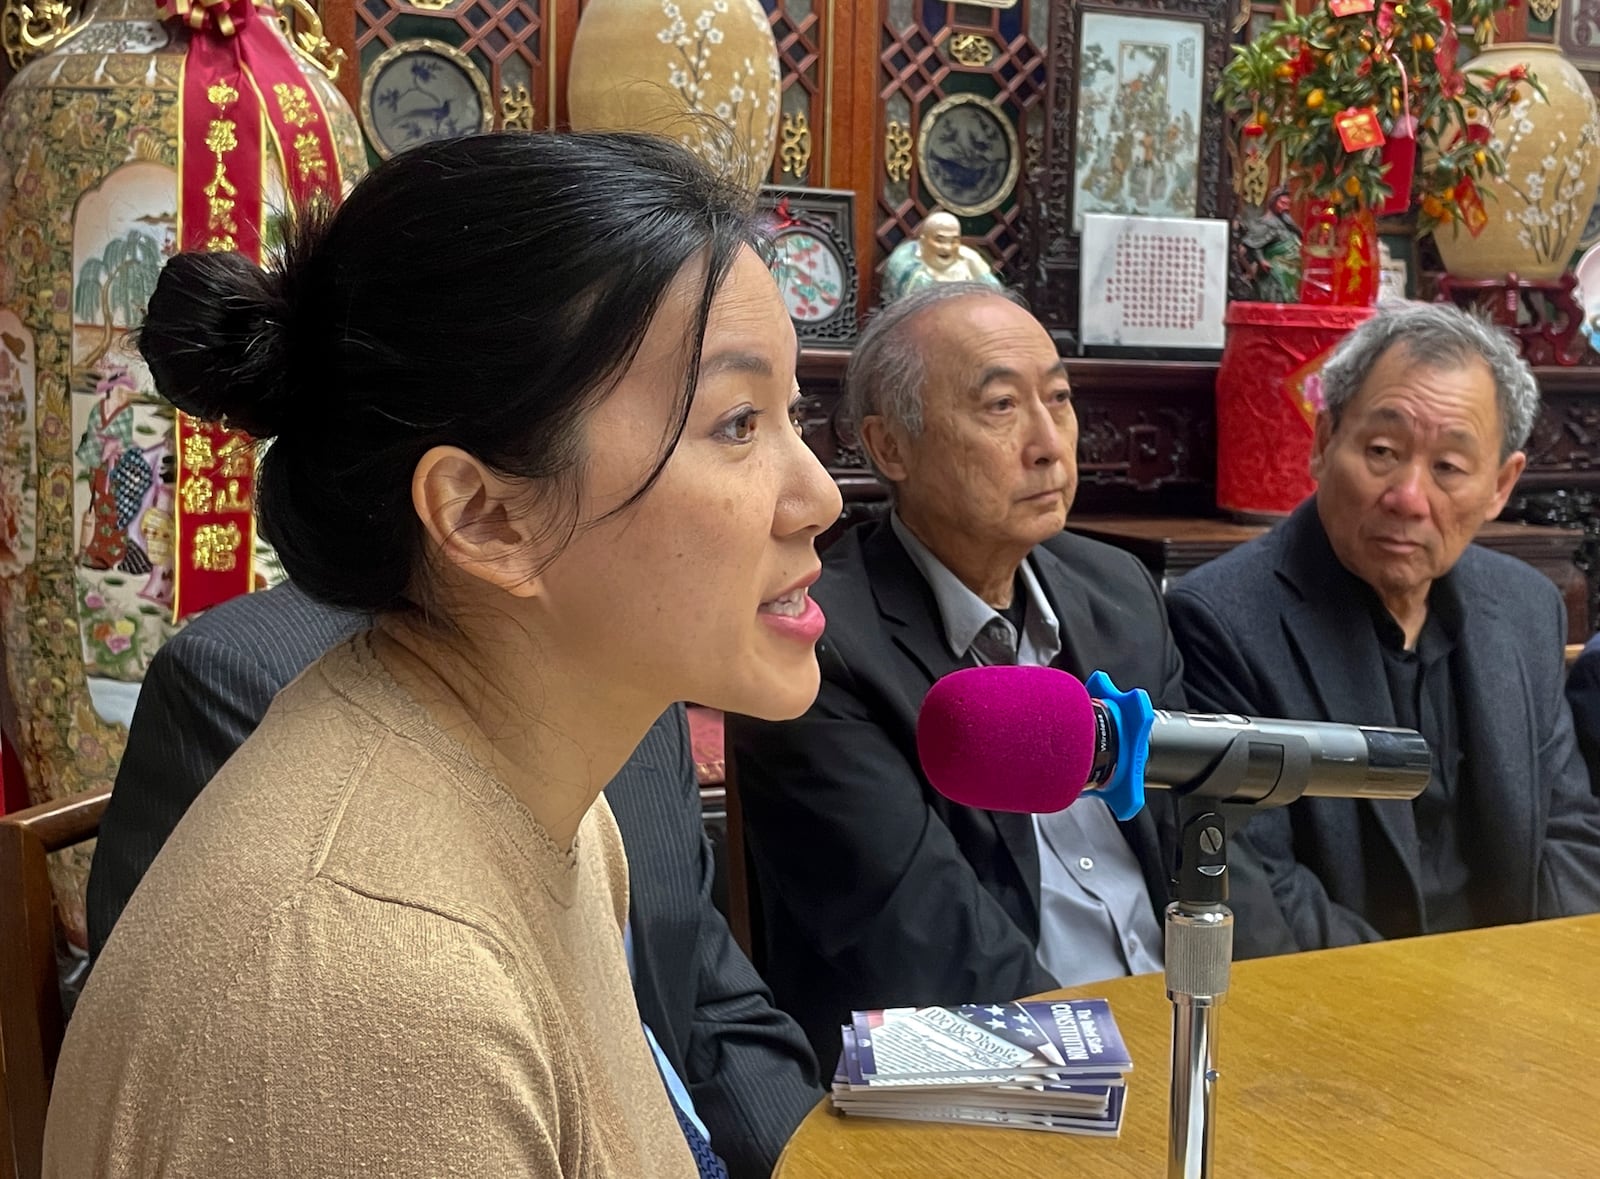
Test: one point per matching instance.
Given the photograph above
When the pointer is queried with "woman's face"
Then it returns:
(697, 592)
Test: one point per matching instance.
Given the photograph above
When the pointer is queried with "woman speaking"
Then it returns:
(531, 403)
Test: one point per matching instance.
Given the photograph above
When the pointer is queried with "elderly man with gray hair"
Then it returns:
(876, 891)
(1371, 605)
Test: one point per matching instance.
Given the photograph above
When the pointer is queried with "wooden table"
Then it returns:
(1170, 546)
(1448, 1057)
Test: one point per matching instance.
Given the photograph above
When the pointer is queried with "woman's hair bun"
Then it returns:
(216, 336)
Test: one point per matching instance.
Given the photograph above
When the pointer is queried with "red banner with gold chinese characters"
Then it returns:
(216, 526)
(1339, 259)
(242, 89)
(242, 86)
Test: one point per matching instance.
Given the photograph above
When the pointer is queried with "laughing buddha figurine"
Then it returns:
(935, 254)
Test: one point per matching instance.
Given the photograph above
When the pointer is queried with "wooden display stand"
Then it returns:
(1545, 317)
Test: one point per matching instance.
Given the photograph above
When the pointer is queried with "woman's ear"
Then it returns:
(482, 523)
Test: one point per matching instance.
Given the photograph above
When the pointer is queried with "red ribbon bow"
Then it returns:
(225, 16)
(239, 69)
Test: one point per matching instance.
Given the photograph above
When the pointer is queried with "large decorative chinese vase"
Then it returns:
(1537, 210)
(137, 137)
(674, 66)
(1269, 392)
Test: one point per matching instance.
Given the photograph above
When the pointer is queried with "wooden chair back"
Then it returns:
(31, 1020)
(719, 793)
(743, 920)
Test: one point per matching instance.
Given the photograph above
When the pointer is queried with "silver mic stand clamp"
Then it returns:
(1199, 953)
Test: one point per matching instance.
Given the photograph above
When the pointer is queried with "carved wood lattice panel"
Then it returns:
(930, 51)
(802, 30)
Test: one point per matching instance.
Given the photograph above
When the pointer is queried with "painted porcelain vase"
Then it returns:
(1538, 209)
(88, 215)
(672, 66)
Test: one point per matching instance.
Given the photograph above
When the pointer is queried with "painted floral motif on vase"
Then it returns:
(704, 72)
(1538, 210)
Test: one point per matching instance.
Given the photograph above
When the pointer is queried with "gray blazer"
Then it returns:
(749, 1071)
(1271, 629)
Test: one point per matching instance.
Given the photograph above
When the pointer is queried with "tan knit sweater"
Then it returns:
(359, 956)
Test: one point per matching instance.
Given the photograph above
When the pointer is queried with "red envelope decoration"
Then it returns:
(1358, 262)
(1473, 214)
(1358, 128)
(1400, 165)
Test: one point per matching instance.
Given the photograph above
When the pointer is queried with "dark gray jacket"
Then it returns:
(1274, 629)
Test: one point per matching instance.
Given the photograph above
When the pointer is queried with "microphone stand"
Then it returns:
(1255, 769)
(1199, 953)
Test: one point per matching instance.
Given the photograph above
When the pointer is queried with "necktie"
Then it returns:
(995, 644)
(705, 1159)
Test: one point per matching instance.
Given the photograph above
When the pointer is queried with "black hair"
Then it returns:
(483, 292)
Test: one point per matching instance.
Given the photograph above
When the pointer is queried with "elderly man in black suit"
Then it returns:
(1371, 605)
(876, 891)
(748, 1073)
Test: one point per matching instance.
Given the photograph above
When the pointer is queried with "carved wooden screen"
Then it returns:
(930, 56)
(803, 30)
(508, 45)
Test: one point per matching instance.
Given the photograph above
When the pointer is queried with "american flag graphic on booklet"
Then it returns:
(1066, 1036)
(1037, 1065)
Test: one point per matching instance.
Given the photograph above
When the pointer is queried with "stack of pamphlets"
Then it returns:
(1038, 1065)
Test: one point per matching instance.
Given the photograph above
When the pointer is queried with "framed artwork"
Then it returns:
(420, 90)
(1158, 282)
(967, 154)
(811, 253)
(1132, 131)
(1138, 126)
(1394, 273)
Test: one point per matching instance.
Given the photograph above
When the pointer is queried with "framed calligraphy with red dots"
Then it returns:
(1153, 282)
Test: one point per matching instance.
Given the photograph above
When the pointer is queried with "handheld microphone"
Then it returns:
(1031, 739)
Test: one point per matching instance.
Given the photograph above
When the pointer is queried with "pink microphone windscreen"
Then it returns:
(1007, 738)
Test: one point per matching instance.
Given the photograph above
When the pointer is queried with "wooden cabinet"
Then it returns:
(1171, 546)
(1145, 434)
(1147, 449)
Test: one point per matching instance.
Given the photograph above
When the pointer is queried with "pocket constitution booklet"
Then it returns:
(1036, 1064)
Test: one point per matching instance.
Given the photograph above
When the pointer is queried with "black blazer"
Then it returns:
(877, 891)
(1583, 695)
(746, 1065)
(1274, 629)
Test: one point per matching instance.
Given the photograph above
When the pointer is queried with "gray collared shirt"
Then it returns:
(1095, 919)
